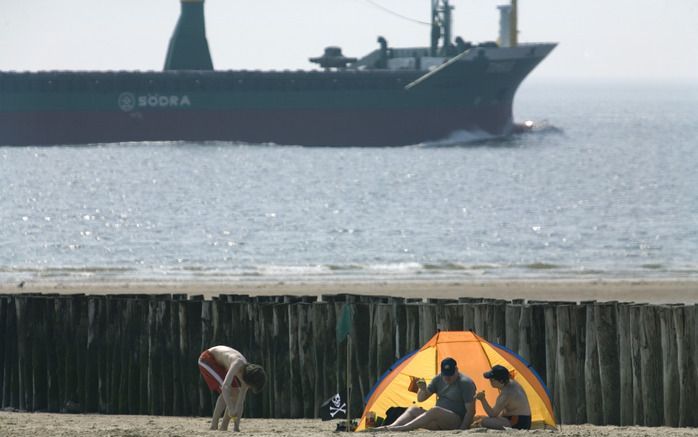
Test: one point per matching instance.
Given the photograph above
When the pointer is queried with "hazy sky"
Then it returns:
(634, 39)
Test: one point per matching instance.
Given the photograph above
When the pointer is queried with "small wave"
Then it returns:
(652, 266)
(460, 138)
(406, 267)
(445, 266)
(541, 266)
(288, 270)
(347, 267)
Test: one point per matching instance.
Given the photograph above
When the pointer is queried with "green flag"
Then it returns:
(344, 322)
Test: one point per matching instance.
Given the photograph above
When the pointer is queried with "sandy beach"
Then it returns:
(656, 291)
(63, 425)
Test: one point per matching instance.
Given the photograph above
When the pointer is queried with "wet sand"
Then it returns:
(624, 290)
(64, 425)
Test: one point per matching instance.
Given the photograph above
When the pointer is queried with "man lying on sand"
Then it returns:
(454, 405)
(227, 372)
(511, 410)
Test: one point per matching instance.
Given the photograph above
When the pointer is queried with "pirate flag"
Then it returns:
(335, 407)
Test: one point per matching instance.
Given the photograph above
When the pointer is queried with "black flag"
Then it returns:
(334, 408)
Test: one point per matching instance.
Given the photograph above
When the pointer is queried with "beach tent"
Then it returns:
(474, 356)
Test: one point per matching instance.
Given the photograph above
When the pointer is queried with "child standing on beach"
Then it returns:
(227, 372)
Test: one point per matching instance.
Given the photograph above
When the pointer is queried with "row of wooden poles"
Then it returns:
(603, 363)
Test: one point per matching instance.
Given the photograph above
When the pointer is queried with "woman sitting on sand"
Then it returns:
(511, 410)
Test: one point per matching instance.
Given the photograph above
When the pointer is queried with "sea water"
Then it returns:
(604, 186)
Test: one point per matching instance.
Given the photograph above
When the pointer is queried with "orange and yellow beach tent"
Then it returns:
(474, 356)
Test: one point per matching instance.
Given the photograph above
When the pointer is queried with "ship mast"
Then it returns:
(514, 23)
(440, 26)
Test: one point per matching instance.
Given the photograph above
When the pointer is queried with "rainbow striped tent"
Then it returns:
(474, 356)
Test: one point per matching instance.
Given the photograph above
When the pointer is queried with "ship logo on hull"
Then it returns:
(129, 101)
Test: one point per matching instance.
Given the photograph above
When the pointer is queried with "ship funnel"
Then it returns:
(508, 32)
(504, 25)
(188, 48)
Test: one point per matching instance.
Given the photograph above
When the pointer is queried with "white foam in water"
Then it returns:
(281, 270)
(460, 137)
(396, 268)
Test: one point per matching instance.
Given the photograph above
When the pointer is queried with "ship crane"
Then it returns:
(441, 24)
(442, 27)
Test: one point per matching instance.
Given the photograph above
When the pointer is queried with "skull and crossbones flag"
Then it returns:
(335, 407)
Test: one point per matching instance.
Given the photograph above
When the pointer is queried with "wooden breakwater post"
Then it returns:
(136, 354)
(625, 365)
(651, 363)
(609, 372)
(670, 367)
(686, 342)
(566, 375)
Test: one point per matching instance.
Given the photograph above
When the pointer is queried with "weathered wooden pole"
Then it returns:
(185, 361)
(400, 328)
(480, 320)
(427, 322)
(154, 368)
(651, 361)
(607, 344)
(92, 356)
(307, 359)
(497, 322)
(79, 341)
(551, 363)
(412, 329)
(294, 370)
(278, 369)
(205, 395)
(109, 389)
(389, 334)
(453, 315)
(592, 376)
(383, 344)
(167, 358)
(566, 381)
(324, 339)
(195, 348)
(468, 312)
(538, 336)
(5, 350)
(38, 354)
(125, 307)
(581, 316)
(635, 337)
(686, 333)
(361, 326)
(8, 337)
(177, 379)
(670, 368)
(524, 333)
(625, 365)
(3, 346)
(22, 314)
(512, 315)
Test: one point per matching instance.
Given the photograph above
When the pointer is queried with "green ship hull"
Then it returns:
(314, 108)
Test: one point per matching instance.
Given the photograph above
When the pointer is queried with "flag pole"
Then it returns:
(349, 383)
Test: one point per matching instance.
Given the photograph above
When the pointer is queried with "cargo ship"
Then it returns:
(390, 97)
